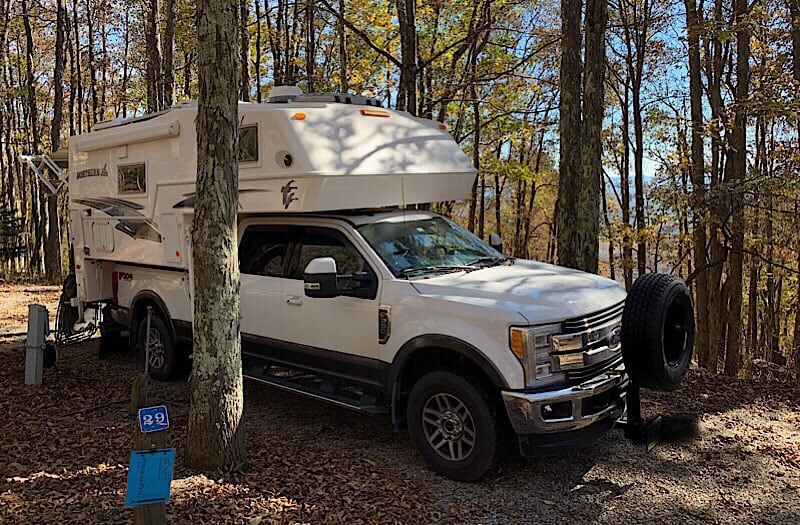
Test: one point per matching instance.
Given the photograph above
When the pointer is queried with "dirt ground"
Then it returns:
(730, 454)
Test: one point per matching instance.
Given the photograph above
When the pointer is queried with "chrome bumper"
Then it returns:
(570, 408)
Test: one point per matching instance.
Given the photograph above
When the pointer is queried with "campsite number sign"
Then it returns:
(153, 419)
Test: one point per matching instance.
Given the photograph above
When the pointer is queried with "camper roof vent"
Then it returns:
(286, 94)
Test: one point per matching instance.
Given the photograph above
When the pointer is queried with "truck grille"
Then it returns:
(581, 324)
(589, 345)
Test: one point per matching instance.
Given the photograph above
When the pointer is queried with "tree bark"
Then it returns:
(733, 351)
(407, 91)
(342, 35)
(258, 51)
(591, 141)
(90, 55)
(215, 428)
(153, 58)
(697, 200)
(311, 46)
(78, 79)
(168, 58)
(244, 50)
(569, 131)
(52, 261)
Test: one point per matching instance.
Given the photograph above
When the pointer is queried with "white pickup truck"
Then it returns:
(385, 312)
(408, 314)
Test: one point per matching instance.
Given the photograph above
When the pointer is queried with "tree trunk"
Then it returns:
(569, 130)
(737, 180)
(52, 261)
(90, 33)
(407, 91)
(153, 58)
(697, 199)
(258, 51)
(625, 190)
(607, 221)
(591, 141)
(311, 46)
(796, 338)
(168, 58)
(342, 35)
(244, 50)
(78, 87)
(215, 428)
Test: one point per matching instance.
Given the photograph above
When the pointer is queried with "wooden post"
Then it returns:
(146, 514)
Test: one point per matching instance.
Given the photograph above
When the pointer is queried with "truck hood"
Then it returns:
(540, 293)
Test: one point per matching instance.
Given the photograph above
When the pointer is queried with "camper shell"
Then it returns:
(132, 182)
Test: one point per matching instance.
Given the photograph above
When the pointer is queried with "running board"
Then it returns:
(366, 405)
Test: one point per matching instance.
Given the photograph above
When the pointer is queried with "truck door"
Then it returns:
(346, 325)
(263, 262)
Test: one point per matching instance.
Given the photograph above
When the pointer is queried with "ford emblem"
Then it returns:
(615, 337)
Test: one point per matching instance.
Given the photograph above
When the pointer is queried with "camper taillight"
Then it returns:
(114, 287)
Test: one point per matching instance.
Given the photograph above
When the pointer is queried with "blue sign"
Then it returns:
(153, 419)
(149, 477)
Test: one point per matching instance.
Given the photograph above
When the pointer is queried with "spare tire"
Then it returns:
(658, 331)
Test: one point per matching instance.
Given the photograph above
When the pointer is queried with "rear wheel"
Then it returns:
(161, 355)
(455, 426)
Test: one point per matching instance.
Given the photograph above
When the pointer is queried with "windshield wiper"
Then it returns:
(490, 261)
(409, 272)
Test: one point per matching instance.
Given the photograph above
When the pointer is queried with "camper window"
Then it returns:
(132, 178)
(248, 144)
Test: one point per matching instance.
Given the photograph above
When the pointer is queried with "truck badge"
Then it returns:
(288, 192)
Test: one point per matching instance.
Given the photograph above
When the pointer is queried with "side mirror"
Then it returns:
(319, 278)
(496, 242)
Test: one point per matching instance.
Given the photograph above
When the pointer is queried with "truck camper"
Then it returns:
(351, 295)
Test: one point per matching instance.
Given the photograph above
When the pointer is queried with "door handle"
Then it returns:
(293, 300)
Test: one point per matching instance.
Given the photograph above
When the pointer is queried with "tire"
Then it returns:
(658, 331)
(163, 355)
(444, 402)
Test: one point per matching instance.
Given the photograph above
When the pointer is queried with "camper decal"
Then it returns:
(92, 172)
(191, 198)
(129, 222)
(288, 191)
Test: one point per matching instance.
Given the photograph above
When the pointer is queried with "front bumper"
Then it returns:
(598, 400)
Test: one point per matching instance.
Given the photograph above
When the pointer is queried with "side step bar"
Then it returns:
(305, 384)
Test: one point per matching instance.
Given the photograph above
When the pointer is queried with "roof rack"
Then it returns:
(287, 94)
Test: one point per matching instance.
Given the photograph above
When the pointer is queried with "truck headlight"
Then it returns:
(532, 346)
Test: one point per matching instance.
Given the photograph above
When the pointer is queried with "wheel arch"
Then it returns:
(139, 308)
(432, 352)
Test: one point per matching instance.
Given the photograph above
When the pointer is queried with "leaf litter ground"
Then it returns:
(731, 454)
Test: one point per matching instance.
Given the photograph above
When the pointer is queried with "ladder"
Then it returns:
(39, 164)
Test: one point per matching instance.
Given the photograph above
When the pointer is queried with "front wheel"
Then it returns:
(161, 357)
(455, 426)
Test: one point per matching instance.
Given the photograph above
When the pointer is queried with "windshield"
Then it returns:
(430, 244)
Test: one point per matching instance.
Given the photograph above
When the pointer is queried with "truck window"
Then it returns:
(248, 144)
(132, 178)
(323, 242)
(263, 251)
